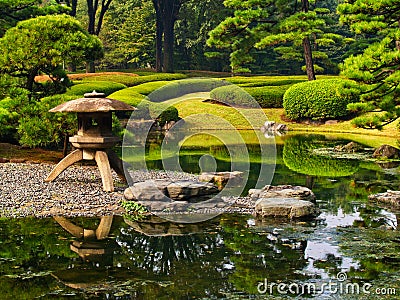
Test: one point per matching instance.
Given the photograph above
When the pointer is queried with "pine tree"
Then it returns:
(293, 29)
(377, 69)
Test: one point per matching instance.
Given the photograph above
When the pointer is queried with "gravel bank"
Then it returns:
(76, 192)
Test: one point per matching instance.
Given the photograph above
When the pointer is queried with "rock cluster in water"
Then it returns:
(284, 201)
(78, 192)
(389, 197)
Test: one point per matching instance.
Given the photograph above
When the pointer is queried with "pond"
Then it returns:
(349, 251)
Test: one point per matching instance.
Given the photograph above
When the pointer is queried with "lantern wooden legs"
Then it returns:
(67, 161)
(105, 161)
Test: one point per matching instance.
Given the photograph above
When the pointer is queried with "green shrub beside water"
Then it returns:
(106, 87)
(320, 99)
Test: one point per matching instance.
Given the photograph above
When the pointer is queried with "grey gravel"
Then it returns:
(76, 192)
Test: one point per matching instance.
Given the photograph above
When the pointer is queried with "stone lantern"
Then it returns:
(94, 138)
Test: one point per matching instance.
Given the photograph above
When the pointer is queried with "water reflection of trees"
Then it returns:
(159, 253)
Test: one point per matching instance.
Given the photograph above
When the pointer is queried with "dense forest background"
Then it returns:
(212, 35)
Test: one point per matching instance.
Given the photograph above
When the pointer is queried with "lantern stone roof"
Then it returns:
(93, 102)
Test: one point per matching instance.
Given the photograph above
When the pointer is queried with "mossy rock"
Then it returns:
(298, 157)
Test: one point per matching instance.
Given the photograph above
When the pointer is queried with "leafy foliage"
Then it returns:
(377, 68)
(42, 44)
(278, 24)
(320, 99)
(128, 34)
(38, 127)
(11, 107)
(12, 11)
(158, 111)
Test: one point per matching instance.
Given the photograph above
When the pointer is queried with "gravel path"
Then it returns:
(76, 192)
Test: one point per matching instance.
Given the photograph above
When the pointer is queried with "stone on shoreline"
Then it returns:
(386, 151)
(351, 147)
(283, 191)
(284, 208)
(220, 178)
(388, 197)
(161, 190)
(283, 201)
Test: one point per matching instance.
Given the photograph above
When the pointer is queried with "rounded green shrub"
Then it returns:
(233, 95)
(320, 99)
(40, 127)
(268, 96)
(106, 87)
(298, 157)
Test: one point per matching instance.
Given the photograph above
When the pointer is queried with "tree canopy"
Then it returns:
(44, 43)
(13, 11)
(290, 28)
(378, 67)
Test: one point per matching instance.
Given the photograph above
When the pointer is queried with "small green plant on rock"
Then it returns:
(134, 210)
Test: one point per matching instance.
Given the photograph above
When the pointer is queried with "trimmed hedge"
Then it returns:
(298, 157)
(148, 87)
(158, 111)
(268, 96)
(129, 96)
(233, 95)
(179, 88)
(106, 87)
(136, 80)
(258, 81)
(320, 99)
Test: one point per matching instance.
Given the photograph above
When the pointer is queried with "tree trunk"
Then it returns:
(90, 68)
(105, 4)
(74, 4)
(167, 13)
(168, 45)
(309, 59)
(71, 67)
(31, 80)
(159, 36)
(92, 8)
(307, 48)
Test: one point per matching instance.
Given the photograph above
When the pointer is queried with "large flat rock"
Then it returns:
(284, 208)
(388, 197)
(165, 190)
(283, 191)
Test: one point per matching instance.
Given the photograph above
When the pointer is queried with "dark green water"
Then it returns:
(231, 256)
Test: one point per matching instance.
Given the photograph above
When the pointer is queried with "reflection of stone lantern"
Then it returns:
(94, 136)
